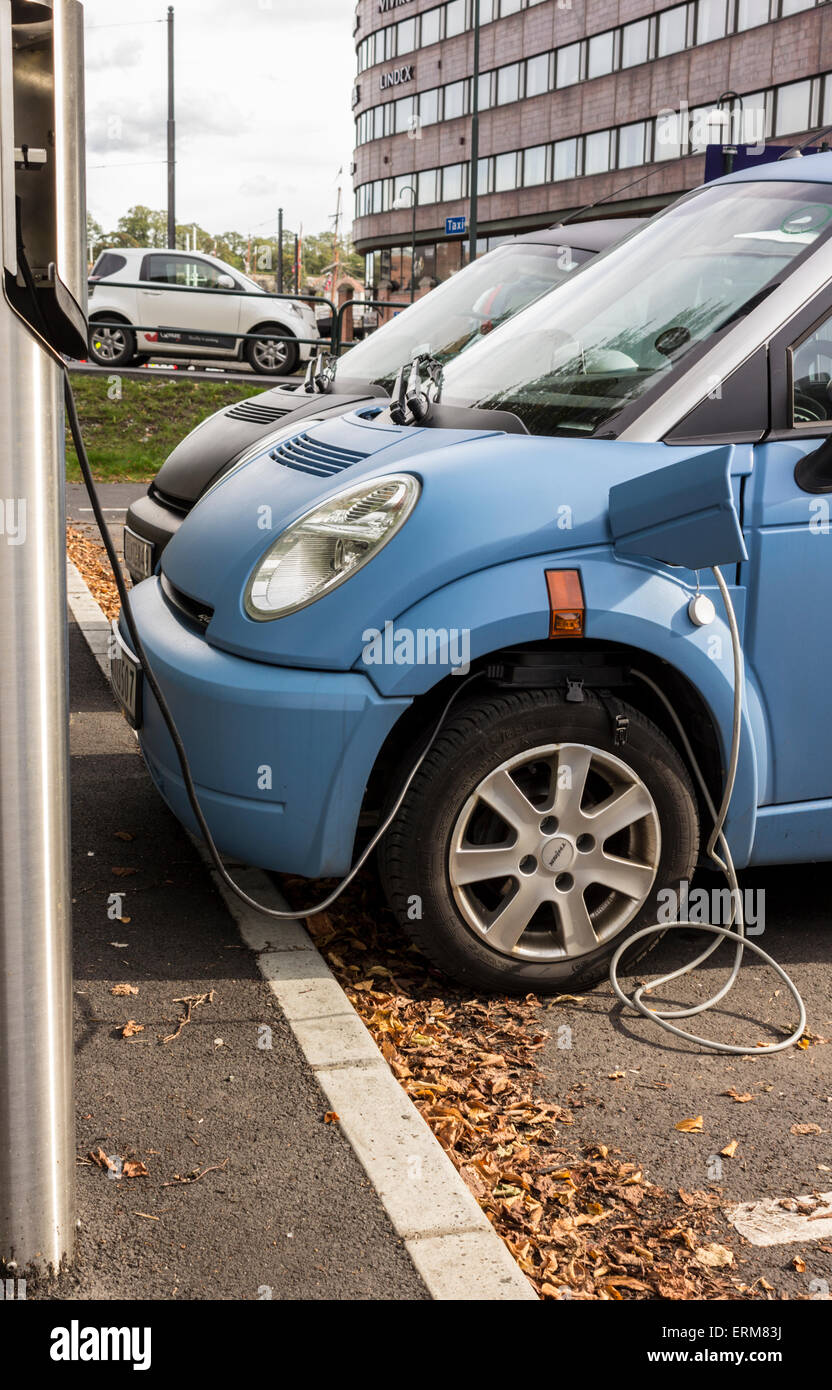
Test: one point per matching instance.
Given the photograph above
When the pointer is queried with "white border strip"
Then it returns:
(447, 1235)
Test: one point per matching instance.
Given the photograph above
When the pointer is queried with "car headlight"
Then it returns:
(327, 545)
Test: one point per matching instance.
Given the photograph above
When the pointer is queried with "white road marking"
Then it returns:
(784, 1220)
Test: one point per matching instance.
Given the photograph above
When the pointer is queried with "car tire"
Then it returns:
(268, 357)
(485, 755)
(111, 343)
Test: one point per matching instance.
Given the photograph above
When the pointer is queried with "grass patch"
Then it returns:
(128, 438)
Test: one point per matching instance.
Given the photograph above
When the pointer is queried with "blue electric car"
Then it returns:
(526, 530)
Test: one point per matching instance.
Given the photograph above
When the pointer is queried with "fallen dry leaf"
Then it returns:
(131, 1028)
(714, 1256)
(134, 1168)
(741, 1099)
(799, 1264)
(730, 1149)
(123, 873)
(331, 1118)
(693, 1125)
(124, 835)
(806, 1129)
(121, 990)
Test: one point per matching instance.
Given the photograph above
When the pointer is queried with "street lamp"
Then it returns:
(475, 139)
(398, 204)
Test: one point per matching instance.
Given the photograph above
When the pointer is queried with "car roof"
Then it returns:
(811, 168)
(596, 235)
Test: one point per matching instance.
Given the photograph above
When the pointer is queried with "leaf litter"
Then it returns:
(582, 1225)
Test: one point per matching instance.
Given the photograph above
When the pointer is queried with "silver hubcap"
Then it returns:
(109, 343)
(270, 355)
(554, 852)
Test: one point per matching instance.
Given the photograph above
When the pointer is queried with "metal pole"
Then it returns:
(171, 139)
(297, 265)
(280, 250)
(475, 139)
(413, 246)
(37, 1146)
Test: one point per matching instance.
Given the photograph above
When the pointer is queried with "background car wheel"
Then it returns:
(530, 843)
(272, 356)
(112, 344)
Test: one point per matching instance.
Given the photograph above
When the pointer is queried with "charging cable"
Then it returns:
(725, 863)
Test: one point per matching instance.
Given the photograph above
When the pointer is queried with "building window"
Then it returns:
(600, 54)
(405, 110)
(455, 100)
(488, 11)
(537, 75)
(673, 27)
(454, 18)
(429, 107)
(792, 110)
(755, 118)
(486, 90)
(534, 166)
(565, 160)
(426, 185)
(508, 7)
(430, 27)
(485, 183)
(505, 172)
(406, 36)
(597, 152)
(508, 84)
(711, 20)
(668, 136)
(631, 144)
(569, 65)
(795, 6)
(452, 182)
(635, 43)
(750, 13)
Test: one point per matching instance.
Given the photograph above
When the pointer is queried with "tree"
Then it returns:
(96, 239)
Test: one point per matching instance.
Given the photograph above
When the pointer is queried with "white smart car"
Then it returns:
(186, 304)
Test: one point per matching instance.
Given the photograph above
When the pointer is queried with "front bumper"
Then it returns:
(280, 756)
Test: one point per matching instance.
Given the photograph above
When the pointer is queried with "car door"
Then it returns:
(788, 522)
(182, 299)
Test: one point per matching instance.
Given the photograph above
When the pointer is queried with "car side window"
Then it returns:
(182, 270)
(811, 393)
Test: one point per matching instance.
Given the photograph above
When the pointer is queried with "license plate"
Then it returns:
(138, 555)
(126, 679)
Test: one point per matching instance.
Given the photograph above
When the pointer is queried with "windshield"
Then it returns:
(570, 362)
(462, 309)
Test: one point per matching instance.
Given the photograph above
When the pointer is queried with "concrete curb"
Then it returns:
(448, 1237)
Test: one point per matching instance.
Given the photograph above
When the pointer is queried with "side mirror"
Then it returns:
(682, 515)
(225, 282)
(813, 472)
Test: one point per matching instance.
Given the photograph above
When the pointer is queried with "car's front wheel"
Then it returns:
(531, 843)
(272, 356)
(111, 344)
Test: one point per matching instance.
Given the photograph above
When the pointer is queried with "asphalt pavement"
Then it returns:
(631, 1083)
(250, 1191)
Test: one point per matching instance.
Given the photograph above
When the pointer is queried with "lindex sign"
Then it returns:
(396, 77)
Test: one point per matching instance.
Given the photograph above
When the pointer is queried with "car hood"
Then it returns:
(215, 444)
(487, 498)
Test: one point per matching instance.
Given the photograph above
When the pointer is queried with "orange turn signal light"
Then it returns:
(566, 603)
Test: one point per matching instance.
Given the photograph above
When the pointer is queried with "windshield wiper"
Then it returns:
(415, 397)
(320, 374)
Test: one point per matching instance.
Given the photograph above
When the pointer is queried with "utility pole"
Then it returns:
(43, 292)
(475, 139)
(336, 238)
(280, 250)
(171, 139)
(297, 265)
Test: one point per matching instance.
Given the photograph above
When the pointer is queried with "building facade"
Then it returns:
(577, 101)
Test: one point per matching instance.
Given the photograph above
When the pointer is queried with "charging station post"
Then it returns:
(42, 313)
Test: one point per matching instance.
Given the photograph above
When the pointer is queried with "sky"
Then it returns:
(263, 111)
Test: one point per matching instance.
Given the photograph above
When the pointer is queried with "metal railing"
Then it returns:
(337, 314)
